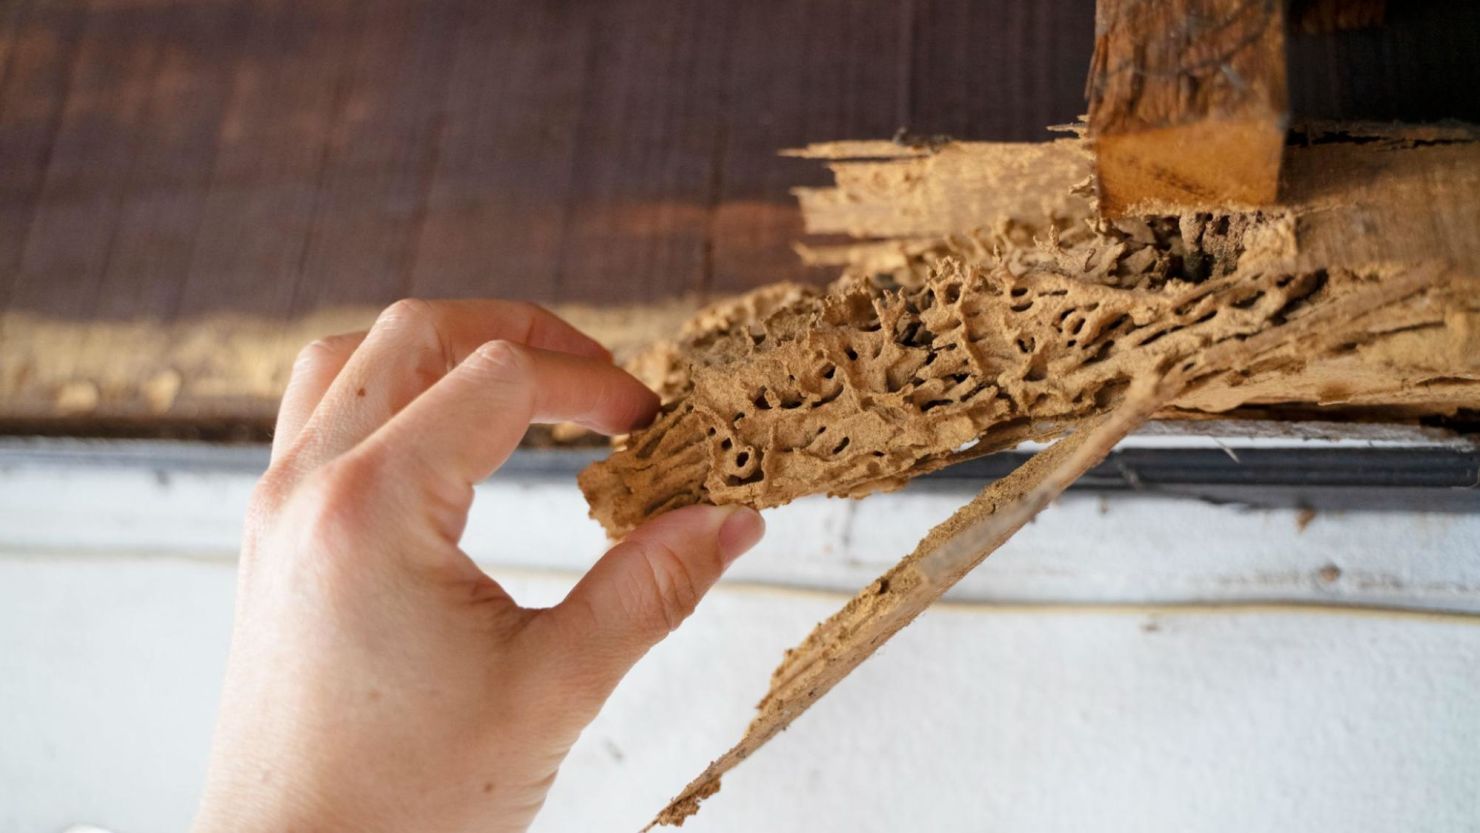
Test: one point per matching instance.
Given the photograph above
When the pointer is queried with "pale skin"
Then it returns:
(379, 679)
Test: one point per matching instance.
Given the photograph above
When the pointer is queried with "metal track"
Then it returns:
(1331, 476)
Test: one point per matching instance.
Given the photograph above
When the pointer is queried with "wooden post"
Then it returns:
(1187, 103)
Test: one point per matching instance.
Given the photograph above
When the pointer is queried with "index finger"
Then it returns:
(412, 345)
(468, 423)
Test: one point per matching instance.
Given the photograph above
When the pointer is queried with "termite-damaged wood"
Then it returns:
(979, 340)
(1187, 102)
(950, 340)
(867, 386)
(958, 545)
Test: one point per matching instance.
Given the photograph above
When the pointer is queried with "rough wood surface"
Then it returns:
(1187, 102)
(956, 187)
(1016, 330)
(958, 545)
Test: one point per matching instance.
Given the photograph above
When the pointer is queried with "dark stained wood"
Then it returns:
(378, 171)
(495, 211)
(845, 73)
(56, 71)
(288, 95)
(271, 157)
(998, 70)
(35, 69)
(636, 215)
(169, 176)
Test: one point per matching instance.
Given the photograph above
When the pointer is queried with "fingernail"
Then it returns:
(740, 531)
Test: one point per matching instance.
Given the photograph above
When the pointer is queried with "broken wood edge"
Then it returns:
(960, 543)
(1217, 164)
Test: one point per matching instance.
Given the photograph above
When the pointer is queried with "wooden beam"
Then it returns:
(1187, 103)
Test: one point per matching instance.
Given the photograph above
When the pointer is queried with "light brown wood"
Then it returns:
(955, 547)
(1187, 103)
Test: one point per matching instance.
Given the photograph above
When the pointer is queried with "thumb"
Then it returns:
(648, 584)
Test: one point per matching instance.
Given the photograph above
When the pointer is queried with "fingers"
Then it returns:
(645, 587)
(412, 345)
(466, 425)
(313, 371)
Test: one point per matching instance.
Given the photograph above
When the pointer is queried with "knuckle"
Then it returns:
(525, 309)
(317, 352)
(500, 359)
(340, 498)
(417, 320)
(531, 314)
(407, 312)
(267, 495)
(674, 593)
(272, 486)
(413, 316)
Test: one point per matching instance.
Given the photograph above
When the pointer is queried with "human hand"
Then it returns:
(378, 679)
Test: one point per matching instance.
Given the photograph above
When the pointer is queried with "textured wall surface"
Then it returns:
(1126, 664)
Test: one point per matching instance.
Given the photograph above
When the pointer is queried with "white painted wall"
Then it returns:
(1130, 665)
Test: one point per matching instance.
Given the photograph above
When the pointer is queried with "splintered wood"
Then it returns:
(956, 333)
(1017, 331)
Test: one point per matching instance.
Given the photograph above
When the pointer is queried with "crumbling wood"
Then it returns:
(932, 350)
(1200, 311)
(1353, 193)
(957, 186)
(963, 541)
(1187, 103)
(870, 385)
